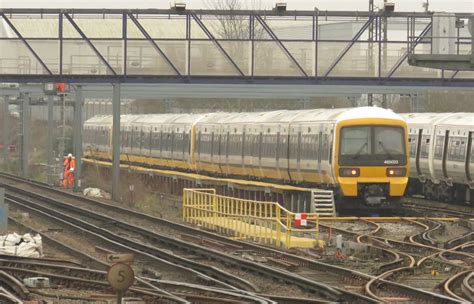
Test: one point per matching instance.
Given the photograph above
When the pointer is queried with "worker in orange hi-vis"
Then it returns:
(69, 166)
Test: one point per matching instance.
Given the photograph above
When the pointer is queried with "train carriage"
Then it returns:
(442, 155)
(357, 152)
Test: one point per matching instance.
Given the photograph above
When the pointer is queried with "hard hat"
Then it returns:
(69, 155)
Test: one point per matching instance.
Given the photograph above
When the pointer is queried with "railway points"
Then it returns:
(237, 155)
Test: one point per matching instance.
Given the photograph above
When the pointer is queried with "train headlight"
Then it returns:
(349, 172)
(396, 172)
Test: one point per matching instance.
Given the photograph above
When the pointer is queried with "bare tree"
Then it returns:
(232, 26)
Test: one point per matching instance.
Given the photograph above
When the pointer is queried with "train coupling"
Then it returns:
(375, 200)
(374, 194)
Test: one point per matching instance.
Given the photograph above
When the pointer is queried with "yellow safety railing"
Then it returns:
(263, 222)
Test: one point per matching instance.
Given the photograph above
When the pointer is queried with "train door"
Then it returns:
(224, 152)
(298, 155)
(325, 151)
(292, 151)
(331, 176)
(418, 138)
(470, 159)
(440, 152)
(261, 153)
(413, 141)
(425, 157)
(456, 156)
(320, 149)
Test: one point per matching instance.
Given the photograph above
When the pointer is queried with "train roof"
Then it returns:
(285, 116)
(452, 119)
(368, 112)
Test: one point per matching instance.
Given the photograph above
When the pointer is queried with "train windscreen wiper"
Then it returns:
(359, 151)
(385, 149)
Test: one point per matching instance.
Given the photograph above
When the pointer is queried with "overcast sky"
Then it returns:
(400, 5)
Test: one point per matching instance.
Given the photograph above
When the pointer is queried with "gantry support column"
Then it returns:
(49, 150)
(6, 131)
(78, 138)
(25, 133)
(116, 143)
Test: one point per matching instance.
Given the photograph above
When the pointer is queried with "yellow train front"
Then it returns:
(359, 153)
(372, 157)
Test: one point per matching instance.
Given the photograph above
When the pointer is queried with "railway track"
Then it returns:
(423, 206)
(191, 292)
(86, 278)
(258, 269)
(324, 269)
(408, 252)
(460, 286)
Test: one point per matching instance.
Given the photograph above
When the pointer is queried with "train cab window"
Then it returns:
(355, 140)
(369, 145)
(388, 140)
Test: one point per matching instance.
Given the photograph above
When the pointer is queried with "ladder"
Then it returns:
(323, 202)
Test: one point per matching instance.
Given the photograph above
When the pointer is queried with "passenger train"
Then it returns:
(442, 155)
(359, 152)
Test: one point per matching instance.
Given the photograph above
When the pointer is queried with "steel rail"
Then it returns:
(15, 285)
(308, 263)
(382, 280)
(143, 280)
(288, 277)
(330, 268)
(136, 247)
(456, 281)
(61, 278)
(440, 209)
(87, 273)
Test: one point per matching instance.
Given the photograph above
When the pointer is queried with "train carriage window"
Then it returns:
(330, 144)
(413, 140)
(425, 146)
(155, 141)
(283, 146)
(298, 147)
(162, 141)
(146, 135)
(166, 140)
(217, 144)
(293, 145)
(439, 146)
(177, 142)
(277, 146)
(472, 148)
(325, 147)
(136, 140)
(198, 144)
(212, 144)
(457, 149)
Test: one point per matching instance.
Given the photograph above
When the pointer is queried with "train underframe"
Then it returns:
(371, 195)
(441, 191)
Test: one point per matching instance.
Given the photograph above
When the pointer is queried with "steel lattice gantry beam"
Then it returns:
(225, 47)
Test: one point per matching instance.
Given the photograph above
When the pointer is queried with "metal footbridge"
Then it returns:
(227, 47)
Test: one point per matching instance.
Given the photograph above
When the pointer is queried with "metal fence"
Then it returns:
(263, 222)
